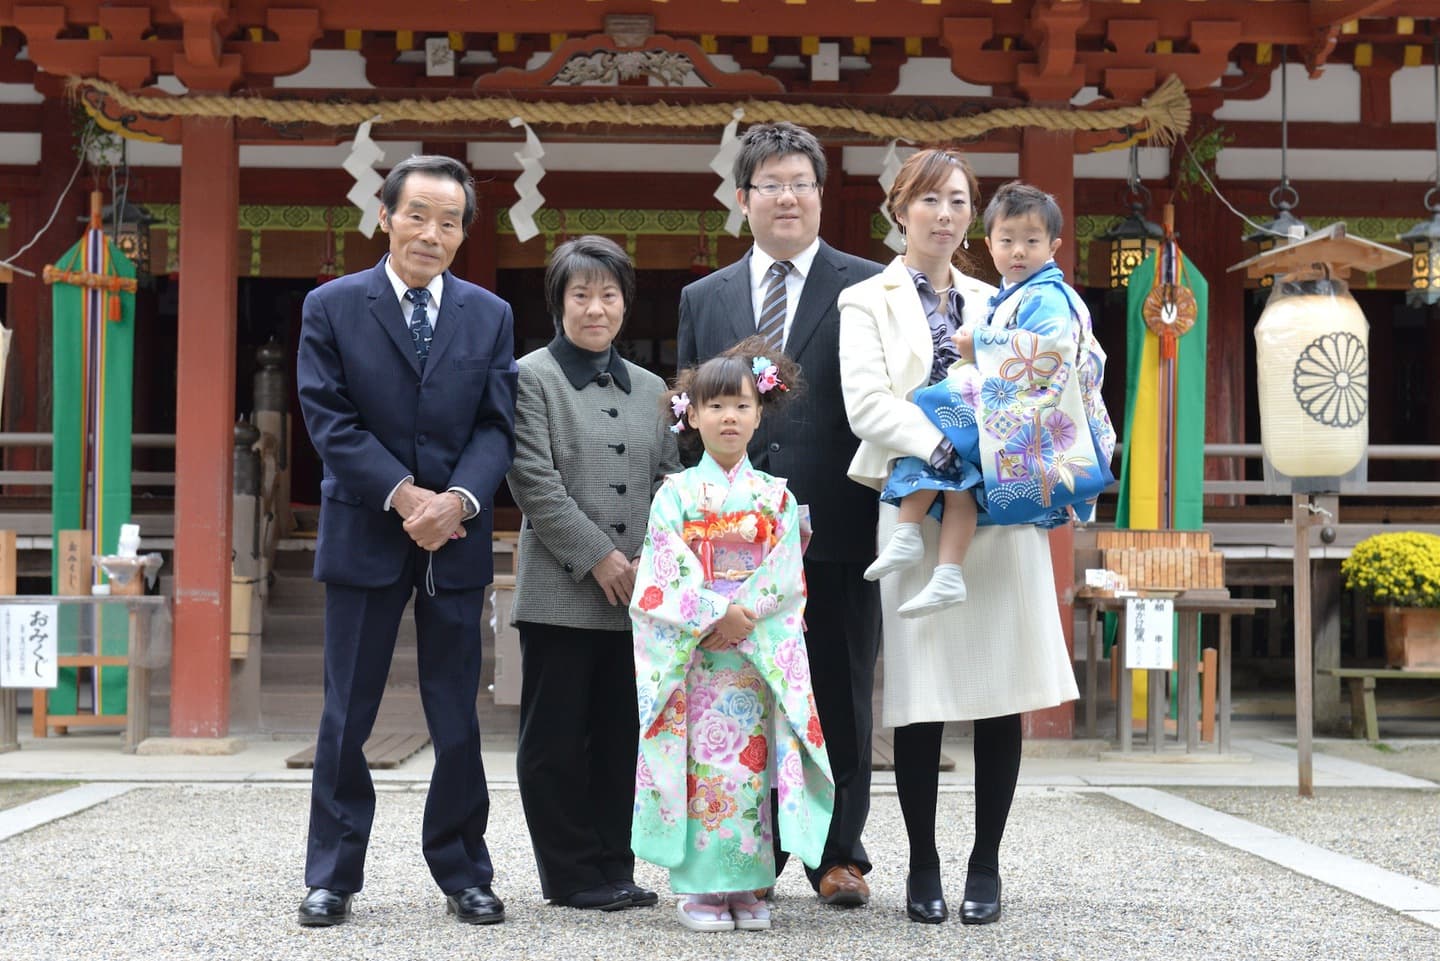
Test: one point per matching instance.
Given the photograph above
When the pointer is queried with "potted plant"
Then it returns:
(1400, 573)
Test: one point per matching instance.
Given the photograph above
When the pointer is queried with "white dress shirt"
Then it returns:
(760, 263)
(432, 311)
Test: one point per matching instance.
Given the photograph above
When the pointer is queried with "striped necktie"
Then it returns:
(771, 324)
(420, 329)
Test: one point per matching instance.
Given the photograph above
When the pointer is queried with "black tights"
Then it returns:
(917, 782)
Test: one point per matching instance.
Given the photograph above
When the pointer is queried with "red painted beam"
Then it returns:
(1046, 161)
(204, 425)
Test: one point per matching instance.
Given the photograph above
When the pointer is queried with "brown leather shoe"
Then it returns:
(844, 886)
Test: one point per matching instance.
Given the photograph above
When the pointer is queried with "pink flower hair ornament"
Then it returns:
(767, 375)
(679, 405)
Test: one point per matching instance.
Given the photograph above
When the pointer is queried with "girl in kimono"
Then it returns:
(1005, 409)
(720, 659)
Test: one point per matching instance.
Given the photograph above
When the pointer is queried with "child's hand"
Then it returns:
(964, 342)
(731, 629)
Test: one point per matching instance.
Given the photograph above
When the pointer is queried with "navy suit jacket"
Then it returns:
(374, 419)
(807, 441)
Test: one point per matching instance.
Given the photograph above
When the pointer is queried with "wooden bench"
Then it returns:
(1363, 720)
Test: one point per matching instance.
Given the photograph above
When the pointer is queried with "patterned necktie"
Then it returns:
(420, 329)
(771, 324)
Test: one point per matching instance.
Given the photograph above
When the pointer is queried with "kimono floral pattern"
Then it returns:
(1028, 411)
(706, 763)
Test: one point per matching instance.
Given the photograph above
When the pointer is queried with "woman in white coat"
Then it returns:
(1001, 652)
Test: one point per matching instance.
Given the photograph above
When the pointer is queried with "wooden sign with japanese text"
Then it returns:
(75, 563)
(28, 648)
(1149, 632)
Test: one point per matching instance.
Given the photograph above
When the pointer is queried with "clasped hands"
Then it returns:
(431, 518)
(731, 629)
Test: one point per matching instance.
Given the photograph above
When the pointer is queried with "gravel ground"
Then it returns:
(1392, 828)
(15, 793)
(215, 872)
(1417, 759)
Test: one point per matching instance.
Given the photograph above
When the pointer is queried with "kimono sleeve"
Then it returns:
(1041, 344)
(670, 608)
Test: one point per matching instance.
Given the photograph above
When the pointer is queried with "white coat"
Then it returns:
(1003, 650)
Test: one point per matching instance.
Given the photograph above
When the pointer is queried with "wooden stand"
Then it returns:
(76, 577)
(139, 659)
(1188, 605)
(9, 697)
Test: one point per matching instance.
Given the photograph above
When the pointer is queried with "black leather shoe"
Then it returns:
(639, 897)
(324, 907)
(982, 912)
(925, 912)
(477, 905)
(604, 898)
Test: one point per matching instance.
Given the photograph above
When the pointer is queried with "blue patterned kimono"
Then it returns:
(1027, 414)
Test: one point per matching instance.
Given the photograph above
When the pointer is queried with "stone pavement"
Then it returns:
(186, 857)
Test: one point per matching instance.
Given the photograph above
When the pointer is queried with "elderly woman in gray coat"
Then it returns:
(591, 447)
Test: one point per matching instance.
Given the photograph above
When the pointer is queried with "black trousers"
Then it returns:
(360, 626)
(842, 639)
(579, 733)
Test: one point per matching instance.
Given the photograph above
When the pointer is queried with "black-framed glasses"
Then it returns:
(800, 188)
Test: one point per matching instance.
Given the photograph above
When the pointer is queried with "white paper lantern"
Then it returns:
(1313, 358)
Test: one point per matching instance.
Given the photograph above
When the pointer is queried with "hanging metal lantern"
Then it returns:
(1134, 238)
(1423, 239)
(1283, 229)
(131, 233)
(1131, 241)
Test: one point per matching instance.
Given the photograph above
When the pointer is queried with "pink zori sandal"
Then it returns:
(704, 912)
(750, 913)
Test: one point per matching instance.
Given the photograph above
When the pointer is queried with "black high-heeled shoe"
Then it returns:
(931, 911)
(981, 912)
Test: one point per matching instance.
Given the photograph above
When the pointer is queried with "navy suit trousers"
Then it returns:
(360, 627)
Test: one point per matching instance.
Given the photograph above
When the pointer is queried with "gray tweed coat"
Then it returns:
(584, 478)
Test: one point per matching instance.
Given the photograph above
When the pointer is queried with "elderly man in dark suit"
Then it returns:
(785, 289)
(406, 377)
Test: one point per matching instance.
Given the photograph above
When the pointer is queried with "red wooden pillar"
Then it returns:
(1047, 160)
(28, 387)
(204, 424)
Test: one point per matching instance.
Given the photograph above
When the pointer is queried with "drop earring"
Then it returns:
(965, 243)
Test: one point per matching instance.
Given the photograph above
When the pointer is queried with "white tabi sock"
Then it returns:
(906, 547)
(946, 589)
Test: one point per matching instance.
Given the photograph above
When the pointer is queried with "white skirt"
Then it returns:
(1001, 652)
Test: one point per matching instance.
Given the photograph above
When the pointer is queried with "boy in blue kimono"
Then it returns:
(1032, 440)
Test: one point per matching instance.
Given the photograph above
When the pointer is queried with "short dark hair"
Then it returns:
(1019, 199)
(587, 256)
(766, 141)
(436, 166)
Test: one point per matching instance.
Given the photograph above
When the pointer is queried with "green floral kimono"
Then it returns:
(706, 761)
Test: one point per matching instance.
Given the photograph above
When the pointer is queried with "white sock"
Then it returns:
(906, 547)
(946, 589)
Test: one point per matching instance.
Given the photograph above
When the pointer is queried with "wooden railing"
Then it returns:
(1231, 533)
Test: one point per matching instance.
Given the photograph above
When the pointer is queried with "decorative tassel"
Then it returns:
(1169, 344)
(707, 559)
(113, 304)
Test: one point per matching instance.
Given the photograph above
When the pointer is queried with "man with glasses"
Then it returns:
(785, 289)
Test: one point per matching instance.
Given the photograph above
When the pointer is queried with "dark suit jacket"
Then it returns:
(807, 442)
(374, 419)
